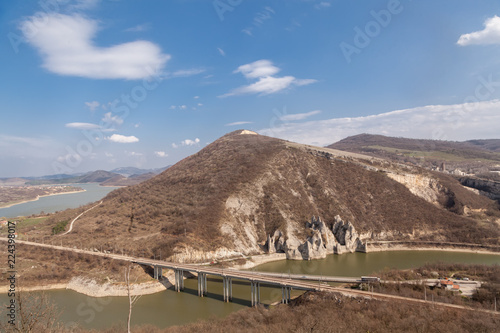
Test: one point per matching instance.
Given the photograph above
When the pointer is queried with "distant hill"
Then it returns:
(247, 193)
(132, 171)
(120, 180)
(116, 177)
(98, 176)
(472, 157)
(475, 162)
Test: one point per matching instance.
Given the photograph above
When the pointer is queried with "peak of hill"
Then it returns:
(251, 194)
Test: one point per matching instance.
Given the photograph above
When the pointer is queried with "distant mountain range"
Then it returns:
(124, 176)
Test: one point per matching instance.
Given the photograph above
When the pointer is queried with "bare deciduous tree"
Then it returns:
(131, 299)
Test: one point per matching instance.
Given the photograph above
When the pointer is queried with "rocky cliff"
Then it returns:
(339, 238)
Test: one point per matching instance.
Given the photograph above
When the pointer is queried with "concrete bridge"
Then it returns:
(256, 279)
(285, 281)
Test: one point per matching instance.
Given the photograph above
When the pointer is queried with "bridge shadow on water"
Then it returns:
(216, 292)
(220, 297)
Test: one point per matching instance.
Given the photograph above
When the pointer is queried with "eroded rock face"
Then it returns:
(321, 240)
(347, 237)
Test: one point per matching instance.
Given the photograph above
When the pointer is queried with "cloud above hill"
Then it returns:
(267, 83)
(444, 122)
(65, 43)
(123, 139)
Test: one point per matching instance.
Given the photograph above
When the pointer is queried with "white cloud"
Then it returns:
(196, 97)
(266, 84)
(82, 126)
(489, 35)
(114, 120)
(183, 107)
(238, 123)
(139, 28)
(322, 4)
(299, 116)
(93, 105)
(248, 31)
(200, 104)
(186, 72)
(257, 69)
(161, 154)
(187, 142)
(133, 153)
(221, 52)
(6, 140)
(65, 43)
(446, 122)
(122, 138)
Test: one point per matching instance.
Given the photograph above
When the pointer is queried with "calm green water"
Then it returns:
(171, 308)
(51, 204)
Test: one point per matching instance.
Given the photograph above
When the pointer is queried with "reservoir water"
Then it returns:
(169, 308)
(53, 203)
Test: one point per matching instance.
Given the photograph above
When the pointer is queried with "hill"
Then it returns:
(476, 162)
(424, 152)
(247, 193)
(118, 177)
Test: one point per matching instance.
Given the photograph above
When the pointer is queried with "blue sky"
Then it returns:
(95, 84)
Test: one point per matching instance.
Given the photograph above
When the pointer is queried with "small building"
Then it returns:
(449, 285)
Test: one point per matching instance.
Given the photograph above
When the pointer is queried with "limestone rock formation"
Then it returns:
(321, 240)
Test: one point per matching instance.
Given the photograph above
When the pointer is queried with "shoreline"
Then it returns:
(38, 197)
(389, 247)
(89, 288)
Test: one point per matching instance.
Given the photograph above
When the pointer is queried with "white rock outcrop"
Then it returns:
(320, 242)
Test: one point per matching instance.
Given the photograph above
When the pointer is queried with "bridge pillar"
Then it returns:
(285, 294)
(178, 279)
(255, 293)
(202, 284)
(155, 272)
(227, 288)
